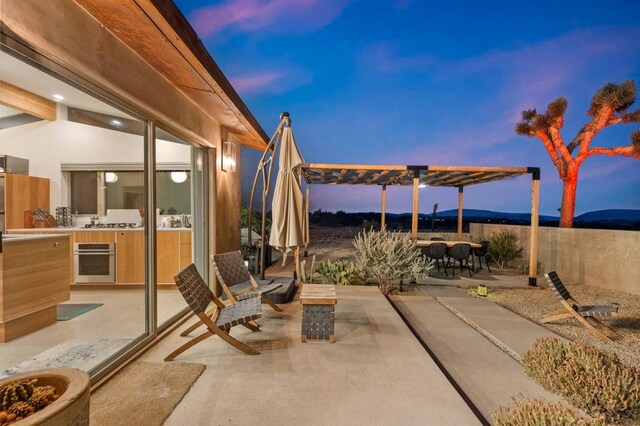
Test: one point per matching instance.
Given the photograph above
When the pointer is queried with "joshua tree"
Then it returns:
(609, 106)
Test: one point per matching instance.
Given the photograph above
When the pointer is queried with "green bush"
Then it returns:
(504, 248)
(533, 413)
(388, 257)
(340, 272)
(591, 380)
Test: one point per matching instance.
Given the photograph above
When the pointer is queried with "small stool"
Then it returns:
(318, 312)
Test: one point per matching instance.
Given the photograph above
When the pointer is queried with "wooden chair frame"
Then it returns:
(208, 319)
(570, 311)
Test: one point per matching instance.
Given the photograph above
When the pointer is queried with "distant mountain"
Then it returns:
(469, 214)
(612, 215)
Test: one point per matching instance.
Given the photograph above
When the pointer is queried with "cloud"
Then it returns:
(255, 83)
(256, 15)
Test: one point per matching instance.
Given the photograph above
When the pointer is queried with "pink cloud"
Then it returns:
(256, 15)
(255, 83)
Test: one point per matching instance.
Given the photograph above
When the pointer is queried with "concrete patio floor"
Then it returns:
(376, 373)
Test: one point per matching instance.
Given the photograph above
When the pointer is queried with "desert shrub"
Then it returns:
(388, 257)
(536, 412)
(591, 380)
(504, 247)
(340, 272)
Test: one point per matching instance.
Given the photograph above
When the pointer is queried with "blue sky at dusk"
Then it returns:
(437, 83)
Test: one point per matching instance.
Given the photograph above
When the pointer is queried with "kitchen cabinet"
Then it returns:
(24, 193)
(186, 257)
(168, 255)
(95, 237)
(28, 295)
(130, 262)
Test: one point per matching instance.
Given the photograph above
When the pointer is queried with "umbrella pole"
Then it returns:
(284, 119)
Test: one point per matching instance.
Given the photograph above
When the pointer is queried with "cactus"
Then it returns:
(21, 409)
(17, 391)
(340, 272)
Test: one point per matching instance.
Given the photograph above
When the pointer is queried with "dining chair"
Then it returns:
(437, 252)
(460, 252)
(481, 253)
(437, 239)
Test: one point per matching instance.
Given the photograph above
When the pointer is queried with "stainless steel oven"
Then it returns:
(94, 262)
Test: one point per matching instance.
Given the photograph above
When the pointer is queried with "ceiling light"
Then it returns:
(116, 123)
(58, 98)
(422, 185)
(179, 177)
(110, 177)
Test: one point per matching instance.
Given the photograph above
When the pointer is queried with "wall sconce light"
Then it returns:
(228, 156)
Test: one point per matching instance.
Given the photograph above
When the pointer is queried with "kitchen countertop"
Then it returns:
(7, 239)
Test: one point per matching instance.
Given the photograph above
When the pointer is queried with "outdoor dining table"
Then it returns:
(427, 243)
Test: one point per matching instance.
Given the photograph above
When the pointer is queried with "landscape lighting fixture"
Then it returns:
(58, 98)
(179, 177)
(110, 177)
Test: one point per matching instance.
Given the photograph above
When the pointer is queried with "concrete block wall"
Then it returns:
(600, 258)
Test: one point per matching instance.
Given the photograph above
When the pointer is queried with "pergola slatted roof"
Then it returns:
(364, 174)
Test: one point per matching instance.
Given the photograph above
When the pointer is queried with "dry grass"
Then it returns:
(533, 304)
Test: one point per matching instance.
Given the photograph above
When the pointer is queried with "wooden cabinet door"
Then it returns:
(130, 263)
(95, 236)
(186, 257)
(39, 194)
(17, 200)
(168, 255)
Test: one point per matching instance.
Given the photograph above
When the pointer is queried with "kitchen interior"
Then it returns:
(72, 197)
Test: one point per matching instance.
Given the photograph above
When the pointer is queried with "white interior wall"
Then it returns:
(48, 144)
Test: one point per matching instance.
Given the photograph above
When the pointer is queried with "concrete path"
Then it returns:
(488, 376)
(376, 373)
(513, 333)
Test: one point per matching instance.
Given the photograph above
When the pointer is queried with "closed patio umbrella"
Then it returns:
(288, 222)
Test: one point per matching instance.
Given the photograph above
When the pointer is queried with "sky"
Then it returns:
(435, 83)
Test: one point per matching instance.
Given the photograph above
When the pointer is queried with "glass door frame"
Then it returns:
(49, 65)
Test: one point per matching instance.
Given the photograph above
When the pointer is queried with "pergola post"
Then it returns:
(306, 220)
(383, 214)
(414, 211)
(533, 242)
(460, 190)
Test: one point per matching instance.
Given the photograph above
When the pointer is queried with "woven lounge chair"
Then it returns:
(574, 310)
(198, 296)
(236, 280)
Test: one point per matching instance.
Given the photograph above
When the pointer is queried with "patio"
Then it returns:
(376, 372)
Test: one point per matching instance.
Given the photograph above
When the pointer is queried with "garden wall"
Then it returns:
(599, 258)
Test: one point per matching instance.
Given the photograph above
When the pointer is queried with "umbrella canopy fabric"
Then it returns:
(287, 209)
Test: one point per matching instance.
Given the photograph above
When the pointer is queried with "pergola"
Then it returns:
(422, 176)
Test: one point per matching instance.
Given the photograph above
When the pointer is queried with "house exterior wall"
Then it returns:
(599, 258)
(72, 40)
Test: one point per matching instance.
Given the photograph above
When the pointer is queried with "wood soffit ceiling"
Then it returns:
(161, 36)
(447, 176)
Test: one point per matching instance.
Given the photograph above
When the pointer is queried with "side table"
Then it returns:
(318, 311)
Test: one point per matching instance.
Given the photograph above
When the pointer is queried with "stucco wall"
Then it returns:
(594, 257)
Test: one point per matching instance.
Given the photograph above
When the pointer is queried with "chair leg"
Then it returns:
(189, 344)
(270, 303)
(556, 315)
(591, 328)
(487, 263)
(238, 344)
(251, 326)
(602, 325)
(196, 324)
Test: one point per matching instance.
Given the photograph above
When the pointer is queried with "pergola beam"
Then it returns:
(533, 237)
(383, 214)
(460, 190)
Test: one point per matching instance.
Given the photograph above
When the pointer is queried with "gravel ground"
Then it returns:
(534, 303)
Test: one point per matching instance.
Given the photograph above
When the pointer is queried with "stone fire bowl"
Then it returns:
(72, 406)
